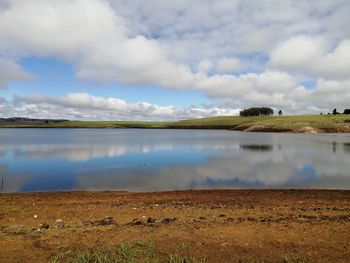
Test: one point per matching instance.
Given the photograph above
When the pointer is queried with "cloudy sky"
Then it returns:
(168, 60)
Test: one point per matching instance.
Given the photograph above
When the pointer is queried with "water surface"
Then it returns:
(150, 160)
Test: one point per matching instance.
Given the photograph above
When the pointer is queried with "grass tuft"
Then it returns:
(140, 252)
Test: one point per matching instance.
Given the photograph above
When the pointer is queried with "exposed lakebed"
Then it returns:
(154, 160)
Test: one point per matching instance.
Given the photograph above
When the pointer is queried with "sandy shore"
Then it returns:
(222, 225)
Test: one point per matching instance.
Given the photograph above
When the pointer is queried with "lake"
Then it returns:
(151, 160)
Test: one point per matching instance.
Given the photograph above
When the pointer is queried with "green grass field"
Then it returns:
(321, 123)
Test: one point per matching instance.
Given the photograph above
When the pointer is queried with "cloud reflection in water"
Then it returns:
(148, 160)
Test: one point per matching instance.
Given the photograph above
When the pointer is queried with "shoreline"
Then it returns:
(286, 124)
(258, 129)
(228, 225)
(178, 191)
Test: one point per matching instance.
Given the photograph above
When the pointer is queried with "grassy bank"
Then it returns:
(302, 123)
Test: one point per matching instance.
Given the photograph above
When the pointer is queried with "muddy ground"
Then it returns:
(222, 225)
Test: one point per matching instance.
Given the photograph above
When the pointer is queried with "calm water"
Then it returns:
(148, 160)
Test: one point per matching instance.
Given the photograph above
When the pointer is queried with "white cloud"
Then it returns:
(87, 107)
(336, 64)
(270, 88)
(310, 54)
(205, 29)
(297, 51)
(90, 35)
(327, 94)
(204, 66)
(228, 65)
(176, 44)
(10, 71)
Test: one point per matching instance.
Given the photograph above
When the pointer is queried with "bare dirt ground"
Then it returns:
(222, 225)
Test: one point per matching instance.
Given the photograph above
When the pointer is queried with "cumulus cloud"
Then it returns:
(212, 29)
(90, 35)
(88, 107)
(204, 66)
(185, 45)
(10, 71)
(297, 51)
(326, 92)
(228, 65)
(270, 88)
(336, 64)
(312, 54)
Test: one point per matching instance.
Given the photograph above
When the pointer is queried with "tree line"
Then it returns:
(265, 111)
(262, 111)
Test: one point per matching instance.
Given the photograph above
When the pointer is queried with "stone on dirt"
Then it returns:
(59, 223)
(87, 223)
(44, 226)
(108, 220)
(151, 220)
(137, 222)
(168, 220)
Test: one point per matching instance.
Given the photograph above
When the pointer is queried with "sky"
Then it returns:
(170, 60)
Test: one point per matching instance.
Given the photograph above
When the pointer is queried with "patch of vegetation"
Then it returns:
(142, 251)
(273, 122)
(327, 123)
(20, 230)
(286, 260)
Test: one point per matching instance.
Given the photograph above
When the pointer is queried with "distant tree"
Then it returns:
(280, 113)
(262, 111)
(335, 112)
(321, 113)
(346, 111)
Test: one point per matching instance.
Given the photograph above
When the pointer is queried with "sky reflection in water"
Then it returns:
(149, 160)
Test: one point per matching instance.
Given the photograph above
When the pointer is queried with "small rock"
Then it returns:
(168, 220)
(59, 223)
(202, 218)
(87, 223)
(44, 226)
(137, 222)
(108, 220)
(35, 216)
(151, 220)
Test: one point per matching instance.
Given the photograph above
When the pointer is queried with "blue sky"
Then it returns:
(166, 60)
(56, 78)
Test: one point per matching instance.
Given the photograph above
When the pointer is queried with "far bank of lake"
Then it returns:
(293, 124)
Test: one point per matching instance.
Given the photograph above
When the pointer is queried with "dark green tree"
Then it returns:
(262, 111)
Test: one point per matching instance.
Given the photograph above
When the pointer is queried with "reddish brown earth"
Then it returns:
(222, 225)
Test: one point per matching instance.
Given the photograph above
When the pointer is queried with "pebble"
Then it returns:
(168, 220)
(137, 222)
(108, 220)
(151, 220)
(87, 223)
(44, 226)
(59, 223)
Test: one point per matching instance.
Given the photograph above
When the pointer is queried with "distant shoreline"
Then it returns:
(288, 124)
